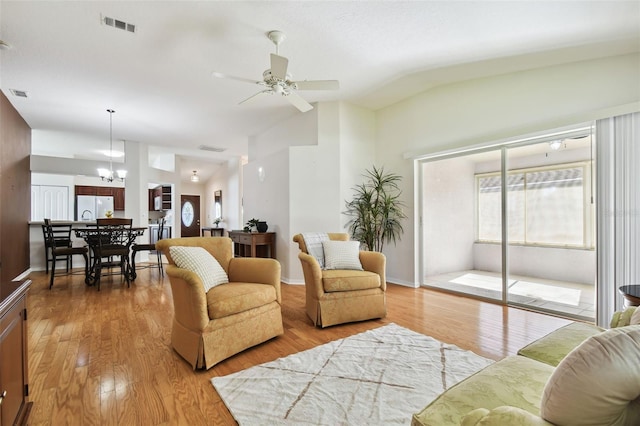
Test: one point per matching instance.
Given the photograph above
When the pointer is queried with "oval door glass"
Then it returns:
(187, 214)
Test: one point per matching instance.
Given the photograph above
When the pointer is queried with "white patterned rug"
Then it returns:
(381, 376)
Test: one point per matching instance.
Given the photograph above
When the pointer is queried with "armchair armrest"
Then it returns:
(505, 415)
(312, 274)
(189, 298)
(374, 261)
(256, 270)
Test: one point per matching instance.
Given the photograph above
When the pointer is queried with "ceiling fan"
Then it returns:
(277, 81)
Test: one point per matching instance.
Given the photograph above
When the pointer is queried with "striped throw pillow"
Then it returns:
(199, 261)
(342, 255)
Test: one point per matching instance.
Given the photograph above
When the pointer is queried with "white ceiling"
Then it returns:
(159, 81)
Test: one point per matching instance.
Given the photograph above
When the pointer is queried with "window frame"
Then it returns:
(588, 223)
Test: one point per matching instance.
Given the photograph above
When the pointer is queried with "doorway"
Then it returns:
(190, 215)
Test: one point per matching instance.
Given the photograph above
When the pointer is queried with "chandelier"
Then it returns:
(105, 174)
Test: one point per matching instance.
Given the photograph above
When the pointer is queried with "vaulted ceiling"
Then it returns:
(159, 78)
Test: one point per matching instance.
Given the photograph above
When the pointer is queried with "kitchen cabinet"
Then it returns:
(118, 198)
(14, 388)
(164, 192)
(152, 196)
(116, 192)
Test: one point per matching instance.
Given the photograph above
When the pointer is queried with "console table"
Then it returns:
(253, 244)
(214, 232)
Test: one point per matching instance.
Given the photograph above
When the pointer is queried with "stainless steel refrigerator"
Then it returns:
(91, 207)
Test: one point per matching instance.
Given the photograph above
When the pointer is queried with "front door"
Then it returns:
(190, 215)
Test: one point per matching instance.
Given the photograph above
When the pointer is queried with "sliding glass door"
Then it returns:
(529, 242)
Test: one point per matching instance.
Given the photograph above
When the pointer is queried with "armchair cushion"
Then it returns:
(348, 280)
(199, 261)
(233, 298)
(342, 255)
(598, 383)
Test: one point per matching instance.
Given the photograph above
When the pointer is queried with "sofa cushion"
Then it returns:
(348, 280)
(598, 383)
(515, 381)
(342, 255)
(553, 347)
(202, 263)
(233, 298)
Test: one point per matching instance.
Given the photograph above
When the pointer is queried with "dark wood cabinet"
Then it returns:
(85, 190)
(116, 192)
(14, 388)
(152, 196)
(118, 198)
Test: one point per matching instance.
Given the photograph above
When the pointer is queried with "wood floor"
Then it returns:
(104, 358)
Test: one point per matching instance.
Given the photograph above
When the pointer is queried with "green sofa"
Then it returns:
(560, 379)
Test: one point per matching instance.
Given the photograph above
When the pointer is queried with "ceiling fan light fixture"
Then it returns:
(195, 177)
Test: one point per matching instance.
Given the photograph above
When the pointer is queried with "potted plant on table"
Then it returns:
(376, 210)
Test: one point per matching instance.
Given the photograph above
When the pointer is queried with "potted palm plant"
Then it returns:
(376, 210)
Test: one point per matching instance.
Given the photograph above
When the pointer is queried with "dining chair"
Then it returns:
(135, 248)
(113, 240)
(58, 242)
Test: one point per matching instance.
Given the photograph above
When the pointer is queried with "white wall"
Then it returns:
(327, 150)
(357, 150)
(490, 109)
(448, 215)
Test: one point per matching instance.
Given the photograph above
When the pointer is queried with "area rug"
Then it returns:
(381, 376)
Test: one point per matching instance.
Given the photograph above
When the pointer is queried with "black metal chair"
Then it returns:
(113, 240)
(58, 243)
(150, 247)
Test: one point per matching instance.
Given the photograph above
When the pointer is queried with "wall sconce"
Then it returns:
(261, 174)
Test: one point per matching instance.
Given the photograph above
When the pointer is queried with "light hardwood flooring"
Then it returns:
(104, 358)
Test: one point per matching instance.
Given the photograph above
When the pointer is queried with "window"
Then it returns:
(546, 206)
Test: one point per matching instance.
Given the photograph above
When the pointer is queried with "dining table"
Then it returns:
(90, 234)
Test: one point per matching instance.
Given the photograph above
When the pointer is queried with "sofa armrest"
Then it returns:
(256, 270)
(500, 416)
(189, 298)
(374, 261)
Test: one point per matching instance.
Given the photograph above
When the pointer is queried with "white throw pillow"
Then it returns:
(341, 255)
(199, 261)
(597, 383)
(635, 318)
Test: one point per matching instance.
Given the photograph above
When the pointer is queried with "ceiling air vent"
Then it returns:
(116, 23)
(211, 148)
(19, 93)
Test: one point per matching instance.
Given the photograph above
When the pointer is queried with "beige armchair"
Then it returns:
(229, 318)
(340, 296)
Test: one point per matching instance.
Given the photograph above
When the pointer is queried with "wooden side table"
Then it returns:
(253, 244)
(214, 232)
(631, 295)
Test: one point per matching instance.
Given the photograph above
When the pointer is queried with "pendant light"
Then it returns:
(105, 174)
(195, 177)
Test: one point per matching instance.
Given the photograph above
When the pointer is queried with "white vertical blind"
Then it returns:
(618, 210)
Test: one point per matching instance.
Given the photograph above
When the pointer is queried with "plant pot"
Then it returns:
(262, 226)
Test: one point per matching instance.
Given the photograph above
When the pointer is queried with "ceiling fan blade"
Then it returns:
(297, 101)
(279, 66)
(232, 77)
(252, 97)
(317, 85)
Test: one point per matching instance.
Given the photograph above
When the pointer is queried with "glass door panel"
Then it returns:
(461, 224)
(552, 262)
